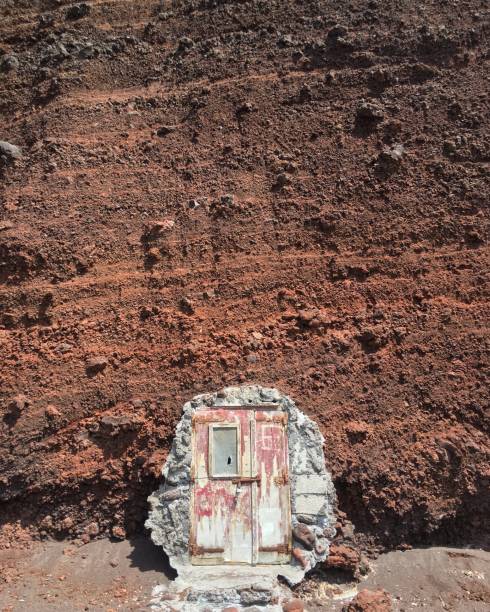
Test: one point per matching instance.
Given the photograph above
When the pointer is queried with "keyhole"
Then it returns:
(229, 460)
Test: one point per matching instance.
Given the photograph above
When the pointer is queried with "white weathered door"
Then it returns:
(240, 507)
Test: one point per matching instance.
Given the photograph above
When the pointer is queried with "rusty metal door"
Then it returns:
(240, 505)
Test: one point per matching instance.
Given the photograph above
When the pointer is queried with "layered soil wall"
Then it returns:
(293, 194)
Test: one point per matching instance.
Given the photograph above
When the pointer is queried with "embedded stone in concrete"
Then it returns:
(214, 588)
(303, 534)
(252, 597)
(311, 484)
(308, 503)
(307, 519)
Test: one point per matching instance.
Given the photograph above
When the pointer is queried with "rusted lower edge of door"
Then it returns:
(283, 549)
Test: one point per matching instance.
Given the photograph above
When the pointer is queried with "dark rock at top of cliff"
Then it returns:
(9, 153)
(78, 11)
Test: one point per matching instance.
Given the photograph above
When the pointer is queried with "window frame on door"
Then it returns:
(211, 470)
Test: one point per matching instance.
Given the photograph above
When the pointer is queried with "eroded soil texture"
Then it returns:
(202, 193)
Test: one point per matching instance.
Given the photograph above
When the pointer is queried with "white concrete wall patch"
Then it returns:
(311, 484)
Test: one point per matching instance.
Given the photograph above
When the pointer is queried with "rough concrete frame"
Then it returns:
(313, 498)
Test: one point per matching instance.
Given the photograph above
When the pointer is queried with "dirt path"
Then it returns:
(103, 576)
(435, 579)
(99, 576)
(432, 579)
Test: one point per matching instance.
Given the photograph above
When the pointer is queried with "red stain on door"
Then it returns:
(240, 490)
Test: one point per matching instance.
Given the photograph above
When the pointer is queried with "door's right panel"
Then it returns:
(273, 519)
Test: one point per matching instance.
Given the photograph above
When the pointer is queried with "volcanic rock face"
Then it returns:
(346, 266)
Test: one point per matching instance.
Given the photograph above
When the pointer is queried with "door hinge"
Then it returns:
(197, 551)
(283, 549)
(281, 480)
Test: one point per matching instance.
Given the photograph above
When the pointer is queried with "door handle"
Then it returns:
(245, 479)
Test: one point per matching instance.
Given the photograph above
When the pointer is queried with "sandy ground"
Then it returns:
(435, 579)
(99, 576)
(104, 576)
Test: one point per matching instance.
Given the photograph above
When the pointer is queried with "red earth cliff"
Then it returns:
(209, 193)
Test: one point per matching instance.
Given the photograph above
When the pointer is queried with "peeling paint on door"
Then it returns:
(240, 487)
(273, 504)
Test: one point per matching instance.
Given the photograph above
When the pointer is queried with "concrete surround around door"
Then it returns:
(312, 495)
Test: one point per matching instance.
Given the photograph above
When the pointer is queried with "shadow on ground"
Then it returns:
(146, 557)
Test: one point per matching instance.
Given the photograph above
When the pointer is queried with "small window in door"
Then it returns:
(223, 447)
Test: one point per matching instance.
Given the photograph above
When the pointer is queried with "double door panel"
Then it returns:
(240, 491)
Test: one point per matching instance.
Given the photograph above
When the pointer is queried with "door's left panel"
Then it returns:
(221, 508)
